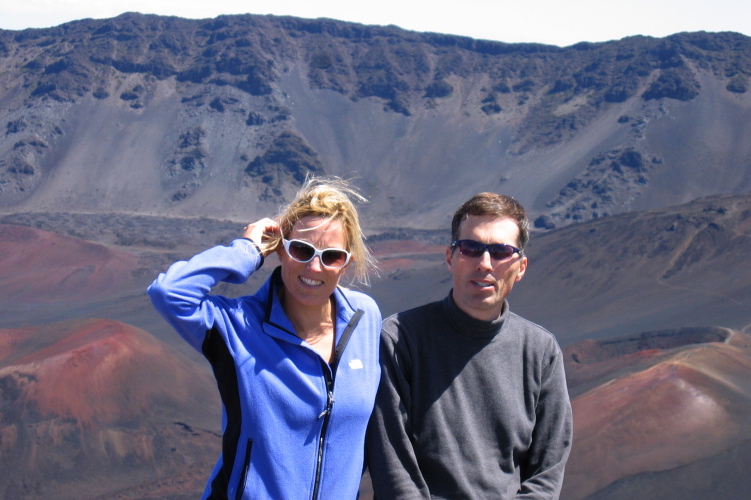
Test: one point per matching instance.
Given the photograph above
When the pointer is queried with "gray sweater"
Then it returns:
(468, 409)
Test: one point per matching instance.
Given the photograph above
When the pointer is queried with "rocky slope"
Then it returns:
(680, 266)
(223, 117)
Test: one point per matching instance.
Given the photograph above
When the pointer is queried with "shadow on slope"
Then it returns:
(682, 266)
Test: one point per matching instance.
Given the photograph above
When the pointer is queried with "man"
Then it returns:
(473, 401)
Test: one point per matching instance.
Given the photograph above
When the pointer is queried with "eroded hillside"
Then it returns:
(224, 117)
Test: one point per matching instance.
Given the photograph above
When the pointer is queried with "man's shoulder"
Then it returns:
(522, 322)
(531, 331)
(415, 317)
(417, 313)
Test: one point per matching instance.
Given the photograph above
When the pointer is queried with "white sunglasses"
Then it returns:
(302, 251)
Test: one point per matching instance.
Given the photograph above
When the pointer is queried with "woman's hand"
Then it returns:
(261, 232)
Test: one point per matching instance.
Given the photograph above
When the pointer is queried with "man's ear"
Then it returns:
(522, 268)
(449, 257)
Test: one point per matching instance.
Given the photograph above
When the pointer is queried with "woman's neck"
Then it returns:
(313, 324)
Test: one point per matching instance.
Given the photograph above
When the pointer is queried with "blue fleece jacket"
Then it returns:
(293, 424)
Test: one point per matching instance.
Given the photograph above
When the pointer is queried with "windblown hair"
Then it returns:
(331, 198)
(493, 204)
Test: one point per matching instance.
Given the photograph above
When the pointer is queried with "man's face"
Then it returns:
(481, 284)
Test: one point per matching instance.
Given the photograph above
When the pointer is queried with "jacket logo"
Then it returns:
(355, 364)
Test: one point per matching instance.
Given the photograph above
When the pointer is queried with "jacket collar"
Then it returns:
(276, 322)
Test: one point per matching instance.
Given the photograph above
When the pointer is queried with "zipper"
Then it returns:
(329, 372)
(246, 466)
(325, 414)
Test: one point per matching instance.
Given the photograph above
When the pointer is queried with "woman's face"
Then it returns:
(310, 283)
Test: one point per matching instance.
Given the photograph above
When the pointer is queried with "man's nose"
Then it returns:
(485, 261)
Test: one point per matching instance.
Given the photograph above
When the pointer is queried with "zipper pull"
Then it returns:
(329, 404)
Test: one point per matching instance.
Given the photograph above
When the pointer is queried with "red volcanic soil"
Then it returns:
(96, 406)
(41, 267)
(391, 248)
(656, 409)
(85, 369)
(402, 255)
(391, 265)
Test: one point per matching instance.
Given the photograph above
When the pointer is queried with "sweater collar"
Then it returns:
(470, 326)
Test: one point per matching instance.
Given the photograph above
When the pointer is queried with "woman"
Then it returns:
(297, 362)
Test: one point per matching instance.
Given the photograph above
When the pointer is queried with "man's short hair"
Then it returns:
(493, 204)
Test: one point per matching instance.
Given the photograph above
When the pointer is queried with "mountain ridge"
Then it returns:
(230, 113)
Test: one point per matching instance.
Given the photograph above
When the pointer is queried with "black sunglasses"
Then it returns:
(302, 251)
(474, 249)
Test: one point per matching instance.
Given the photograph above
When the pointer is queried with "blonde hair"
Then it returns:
(331, 198)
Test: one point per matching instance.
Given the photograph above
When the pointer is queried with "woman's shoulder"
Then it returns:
(359, 300)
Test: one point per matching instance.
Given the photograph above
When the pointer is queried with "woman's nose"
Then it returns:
(315, 264)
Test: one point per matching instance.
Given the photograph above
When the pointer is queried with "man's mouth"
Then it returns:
(482, 284)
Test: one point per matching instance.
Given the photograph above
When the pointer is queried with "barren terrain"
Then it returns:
(130, 143)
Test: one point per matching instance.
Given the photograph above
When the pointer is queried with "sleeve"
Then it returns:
(181, 295)
(391, 457)
(542, 471)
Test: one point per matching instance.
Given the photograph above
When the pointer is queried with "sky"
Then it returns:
(555, 22)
